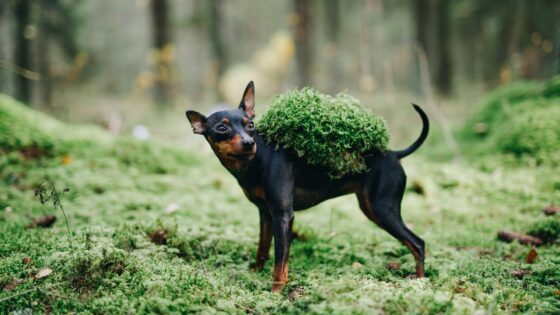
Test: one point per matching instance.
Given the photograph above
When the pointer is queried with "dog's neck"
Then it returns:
(239, 169)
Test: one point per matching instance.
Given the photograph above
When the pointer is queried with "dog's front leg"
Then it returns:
(282, 224)
(265, 238)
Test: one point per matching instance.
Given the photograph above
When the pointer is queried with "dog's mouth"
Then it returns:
(243, 155)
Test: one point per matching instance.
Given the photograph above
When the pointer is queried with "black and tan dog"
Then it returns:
(279, 183)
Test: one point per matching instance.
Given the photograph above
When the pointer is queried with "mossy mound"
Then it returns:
(533, 133)
(32, 132)
(520, 120)
(27, 134)
(21, 128)
(329, 131)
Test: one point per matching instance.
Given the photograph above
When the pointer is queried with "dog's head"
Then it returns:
(230, 132)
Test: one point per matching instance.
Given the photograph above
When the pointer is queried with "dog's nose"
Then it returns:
(248, 144)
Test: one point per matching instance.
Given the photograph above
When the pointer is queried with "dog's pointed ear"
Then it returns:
(197, 120)
(248, 101)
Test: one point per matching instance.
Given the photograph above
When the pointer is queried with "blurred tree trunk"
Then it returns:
(217, 42)
(333, 25)
(22, 51)
(302, 35)
(510, 18)
(3, 80)
(432, 35)
(164, 53)
(557, 71)
(44, 54)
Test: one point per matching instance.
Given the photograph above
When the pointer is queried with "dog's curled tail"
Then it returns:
(423, 135)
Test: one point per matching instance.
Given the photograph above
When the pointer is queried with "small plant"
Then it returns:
(47, 193)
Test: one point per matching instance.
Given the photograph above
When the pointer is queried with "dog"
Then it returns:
(278, 182)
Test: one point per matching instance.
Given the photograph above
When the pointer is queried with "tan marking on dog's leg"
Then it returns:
(419, 265)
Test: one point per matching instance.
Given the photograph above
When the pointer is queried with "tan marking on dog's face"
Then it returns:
(230, 152)
(225, 121)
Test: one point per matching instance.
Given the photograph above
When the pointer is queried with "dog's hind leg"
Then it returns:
(381, 202)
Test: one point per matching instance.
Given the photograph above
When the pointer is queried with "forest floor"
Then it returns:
(161, 229)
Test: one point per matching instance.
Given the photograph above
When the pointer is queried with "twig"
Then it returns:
(53, 294)
(28, 74)
(31, 290)
(17, 294)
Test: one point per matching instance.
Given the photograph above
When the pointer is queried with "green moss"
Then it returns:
(532, 133)
(520, 119)
(35, 135)
(548, 230)
(119, 192)
(330, 131)
(21, 128)
(552, 88)
(31, 135)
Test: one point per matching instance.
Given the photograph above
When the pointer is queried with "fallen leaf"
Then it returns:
(12, 285)
(481, 128)
(393, 265)
(43, 273)
(46, 221)
(485, 252)
(520, 273)
(551, 209)
(295, 293)
(418, 187)
(532, 255)
(8, 210)
(66, 160)
(509, 236)
(357, 265)
(459, 290)
(159, 236)
(26, 260)
(32, 152)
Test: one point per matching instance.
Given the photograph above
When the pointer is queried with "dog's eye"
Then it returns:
(250, 125)
(221, 128)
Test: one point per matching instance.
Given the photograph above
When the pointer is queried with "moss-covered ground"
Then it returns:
(161, 229)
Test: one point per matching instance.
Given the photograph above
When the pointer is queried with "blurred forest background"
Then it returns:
(158, 226)
(114, 62)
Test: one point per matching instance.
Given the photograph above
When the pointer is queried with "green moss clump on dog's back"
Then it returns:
(329, 131)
